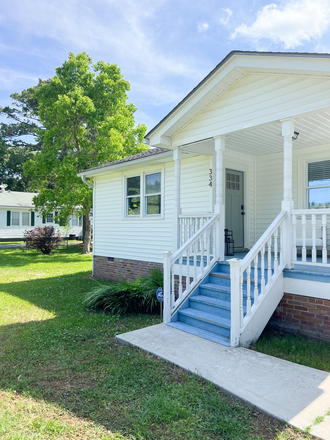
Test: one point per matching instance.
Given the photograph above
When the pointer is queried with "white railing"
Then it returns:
(190, 224)
(267, 254)
(311, 236)
(185, 268)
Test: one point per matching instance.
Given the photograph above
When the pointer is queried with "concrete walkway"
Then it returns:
(284, 390)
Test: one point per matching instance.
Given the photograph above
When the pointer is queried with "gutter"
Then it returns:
(130, 163)
(83, 178)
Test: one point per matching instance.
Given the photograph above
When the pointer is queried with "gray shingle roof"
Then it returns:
(17, 199)
(152, 152)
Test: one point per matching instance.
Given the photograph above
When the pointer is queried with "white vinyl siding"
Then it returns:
(145, 238)
(269, 183)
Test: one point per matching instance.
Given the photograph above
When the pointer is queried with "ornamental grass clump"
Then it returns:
(44, 239)
(124, 297)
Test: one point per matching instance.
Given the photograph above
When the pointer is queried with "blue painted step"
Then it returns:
(207, 312)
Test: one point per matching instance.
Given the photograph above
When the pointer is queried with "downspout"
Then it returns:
(91, 185)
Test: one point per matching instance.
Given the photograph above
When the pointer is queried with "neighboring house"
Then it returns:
(17, 215)
(248, 151)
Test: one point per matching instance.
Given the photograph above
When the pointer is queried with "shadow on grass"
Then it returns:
(73, 361)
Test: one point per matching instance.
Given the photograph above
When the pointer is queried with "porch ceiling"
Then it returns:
(313, 129)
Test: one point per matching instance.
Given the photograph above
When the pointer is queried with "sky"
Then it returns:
(163, 47)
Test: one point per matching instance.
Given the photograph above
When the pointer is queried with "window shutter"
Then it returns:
(32, 218)
(56, 214)
(43, 219)
(8, 217)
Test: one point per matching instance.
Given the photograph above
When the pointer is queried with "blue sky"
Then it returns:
(163, 47)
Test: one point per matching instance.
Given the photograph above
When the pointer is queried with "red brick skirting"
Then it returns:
(118, 268)
(303, 315)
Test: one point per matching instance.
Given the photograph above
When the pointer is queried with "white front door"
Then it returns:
(235, 206)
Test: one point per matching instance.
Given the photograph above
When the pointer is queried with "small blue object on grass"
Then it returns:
(160, 297)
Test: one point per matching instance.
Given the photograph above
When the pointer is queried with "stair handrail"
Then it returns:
(180, 252)
(198, 244)
(264, 245)
(256, 248)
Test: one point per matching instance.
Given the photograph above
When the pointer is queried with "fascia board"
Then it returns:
(130, 164)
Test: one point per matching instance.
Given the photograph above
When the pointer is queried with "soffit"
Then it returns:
(313, 129)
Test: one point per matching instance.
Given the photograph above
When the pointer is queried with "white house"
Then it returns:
(17, 214)
(248, 151)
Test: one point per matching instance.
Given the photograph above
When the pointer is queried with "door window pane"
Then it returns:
(25, 219)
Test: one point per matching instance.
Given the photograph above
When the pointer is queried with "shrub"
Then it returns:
(43, 239)
(120, 298)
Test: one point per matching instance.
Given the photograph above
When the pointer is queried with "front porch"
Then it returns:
(295, 245)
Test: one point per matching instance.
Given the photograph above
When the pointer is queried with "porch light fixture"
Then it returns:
(295, 135)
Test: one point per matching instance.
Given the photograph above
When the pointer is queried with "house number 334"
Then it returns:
(210, 177)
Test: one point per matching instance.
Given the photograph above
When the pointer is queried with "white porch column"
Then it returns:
(287, 203)
(219, 145)
(177, 156)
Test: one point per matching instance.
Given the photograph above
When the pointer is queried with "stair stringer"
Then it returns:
(263, 311)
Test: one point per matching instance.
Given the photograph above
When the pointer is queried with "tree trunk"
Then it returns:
(87, 233)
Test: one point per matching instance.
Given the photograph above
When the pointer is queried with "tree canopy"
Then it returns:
(86, 122)
(19, 137)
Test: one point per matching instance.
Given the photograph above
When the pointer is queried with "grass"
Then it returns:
(295, 348)
(63, 376)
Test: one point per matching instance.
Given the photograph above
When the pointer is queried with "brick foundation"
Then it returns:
(119, 268)
(303, 315)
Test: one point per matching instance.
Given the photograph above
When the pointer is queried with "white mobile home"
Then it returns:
(242, 162)
(17, 214)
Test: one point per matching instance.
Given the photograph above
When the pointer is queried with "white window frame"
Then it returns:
(313, 187)
(19, 218)
(52, 220)
(143, 195)
(29, 218)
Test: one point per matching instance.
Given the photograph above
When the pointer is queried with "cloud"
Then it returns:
(202, 27)
(290, 25)
(229, 13)
(119, 32)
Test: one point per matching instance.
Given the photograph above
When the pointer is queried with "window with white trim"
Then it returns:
(74, 220)
(318, 189)
(133, 196)
(25, 219)
(15, 218)
(50, 218)
(144, 195)
(153, 194)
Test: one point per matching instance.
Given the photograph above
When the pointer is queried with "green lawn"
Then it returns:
(63, 376)
(295, 348)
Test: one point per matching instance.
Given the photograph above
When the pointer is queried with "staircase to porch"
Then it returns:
(207, 312)
(230, 302)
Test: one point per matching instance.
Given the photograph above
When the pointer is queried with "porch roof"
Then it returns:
(171, 131)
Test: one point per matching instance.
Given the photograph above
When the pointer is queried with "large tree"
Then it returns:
(87, 122)
(19, 137)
